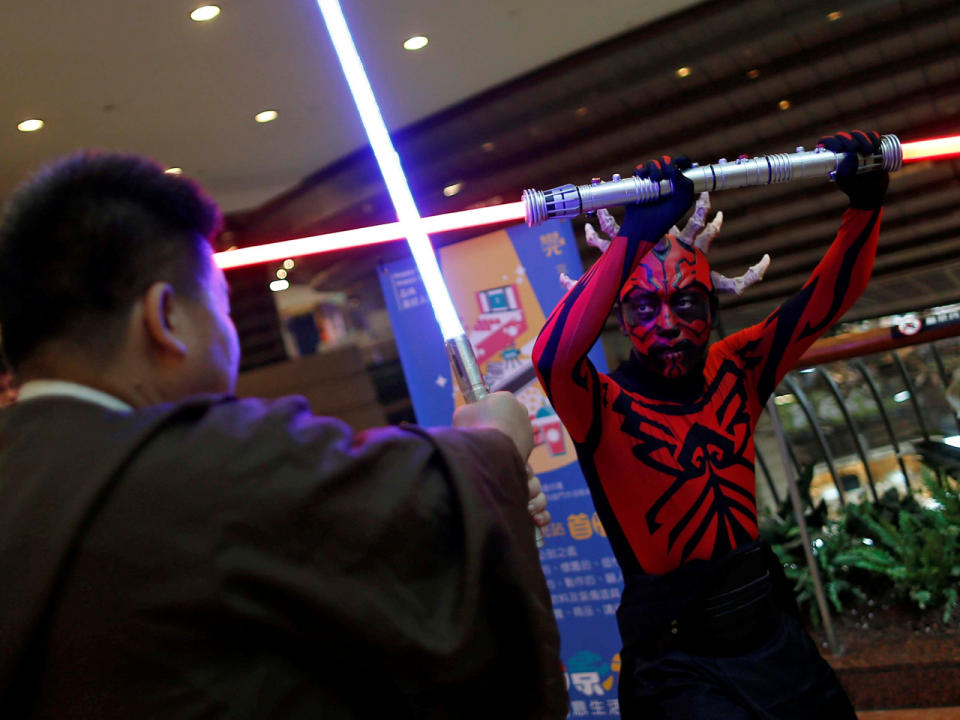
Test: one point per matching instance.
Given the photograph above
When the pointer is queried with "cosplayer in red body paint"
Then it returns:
(666, 443)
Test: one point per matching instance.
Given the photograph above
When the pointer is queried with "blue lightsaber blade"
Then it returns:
(389, 162)
(464, 361)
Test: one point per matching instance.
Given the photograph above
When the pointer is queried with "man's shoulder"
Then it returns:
(196, 430)
(283, 433)
(223, 456)
(247, 411)
(211, 423)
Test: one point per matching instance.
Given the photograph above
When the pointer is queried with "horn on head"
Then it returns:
(737, 285)
(696, 222)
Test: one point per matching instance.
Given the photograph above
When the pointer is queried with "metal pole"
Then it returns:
(884, 417)
(861, 450)
(912, 389)
(817, 432)
(915, 404)
(766, 473)
(944, 378)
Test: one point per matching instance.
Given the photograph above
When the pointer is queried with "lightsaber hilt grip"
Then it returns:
(466, 371)
(567, 201)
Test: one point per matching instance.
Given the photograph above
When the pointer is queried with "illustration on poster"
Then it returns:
(587, 674)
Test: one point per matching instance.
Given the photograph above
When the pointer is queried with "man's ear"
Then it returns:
(158, 309)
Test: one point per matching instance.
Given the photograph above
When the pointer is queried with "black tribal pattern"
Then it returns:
(670, 465)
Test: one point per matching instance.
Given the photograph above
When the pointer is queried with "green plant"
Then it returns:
(918, 550)
(839, 584)
(894, 546)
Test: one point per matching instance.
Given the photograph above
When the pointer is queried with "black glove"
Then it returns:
(649, 221)
(865, 190)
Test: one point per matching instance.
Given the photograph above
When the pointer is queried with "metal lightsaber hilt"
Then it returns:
(466, 371)
(568, 201)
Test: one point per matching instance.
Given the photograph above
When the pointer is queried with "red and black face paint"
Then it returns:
(667, 308)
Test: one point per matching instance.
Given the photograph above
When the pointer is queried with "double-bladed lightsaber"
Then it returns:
(569, 201)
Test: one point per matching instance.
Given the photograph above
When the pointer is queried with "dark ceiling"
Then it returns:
(880, 64)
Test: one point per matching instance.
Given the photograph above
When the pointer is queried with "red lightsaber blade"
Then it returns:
(934, 149)
(272, 252)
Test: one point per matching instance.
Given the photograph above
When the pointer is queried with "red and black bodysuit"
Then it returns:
(707, 618)
(670, 460)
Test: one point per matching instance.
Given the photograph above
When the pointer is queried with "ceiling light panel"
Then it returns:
(205, 13)
(417, 42)
(31, 125)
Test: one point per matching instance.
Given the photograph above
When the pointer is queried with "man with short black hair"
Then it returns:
(167, 550)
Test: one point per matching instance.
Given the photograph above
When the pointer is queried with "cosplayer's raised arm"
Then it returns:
(837, 281)
(560, 352)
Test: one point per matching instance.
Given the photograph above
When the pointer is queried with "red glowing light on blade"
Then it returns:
(366, 236)
(934, 149)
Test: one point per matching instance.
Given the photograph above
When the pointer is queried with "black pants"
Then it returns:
(722, 641)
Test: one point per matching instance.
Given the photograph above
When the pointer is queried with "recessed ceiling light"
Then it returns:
(31, 125)
(417, 42)
(753, 74)
(265, 116)
(835, 15)
(452, 189)
(288, 264)
(174, 171)
(205, 13)
(281, 274)
(279, 285)
(784, 104)
(683, 72)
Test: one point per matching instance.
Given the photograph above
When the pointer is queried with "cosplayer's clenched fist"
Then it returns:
(866, 190)
(649, 221)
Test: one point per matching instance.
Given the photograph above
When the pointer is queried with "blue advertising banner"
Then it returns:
(503, 285)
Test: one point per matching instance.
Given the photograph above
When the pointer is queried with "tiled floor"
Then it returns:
(945, 713)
